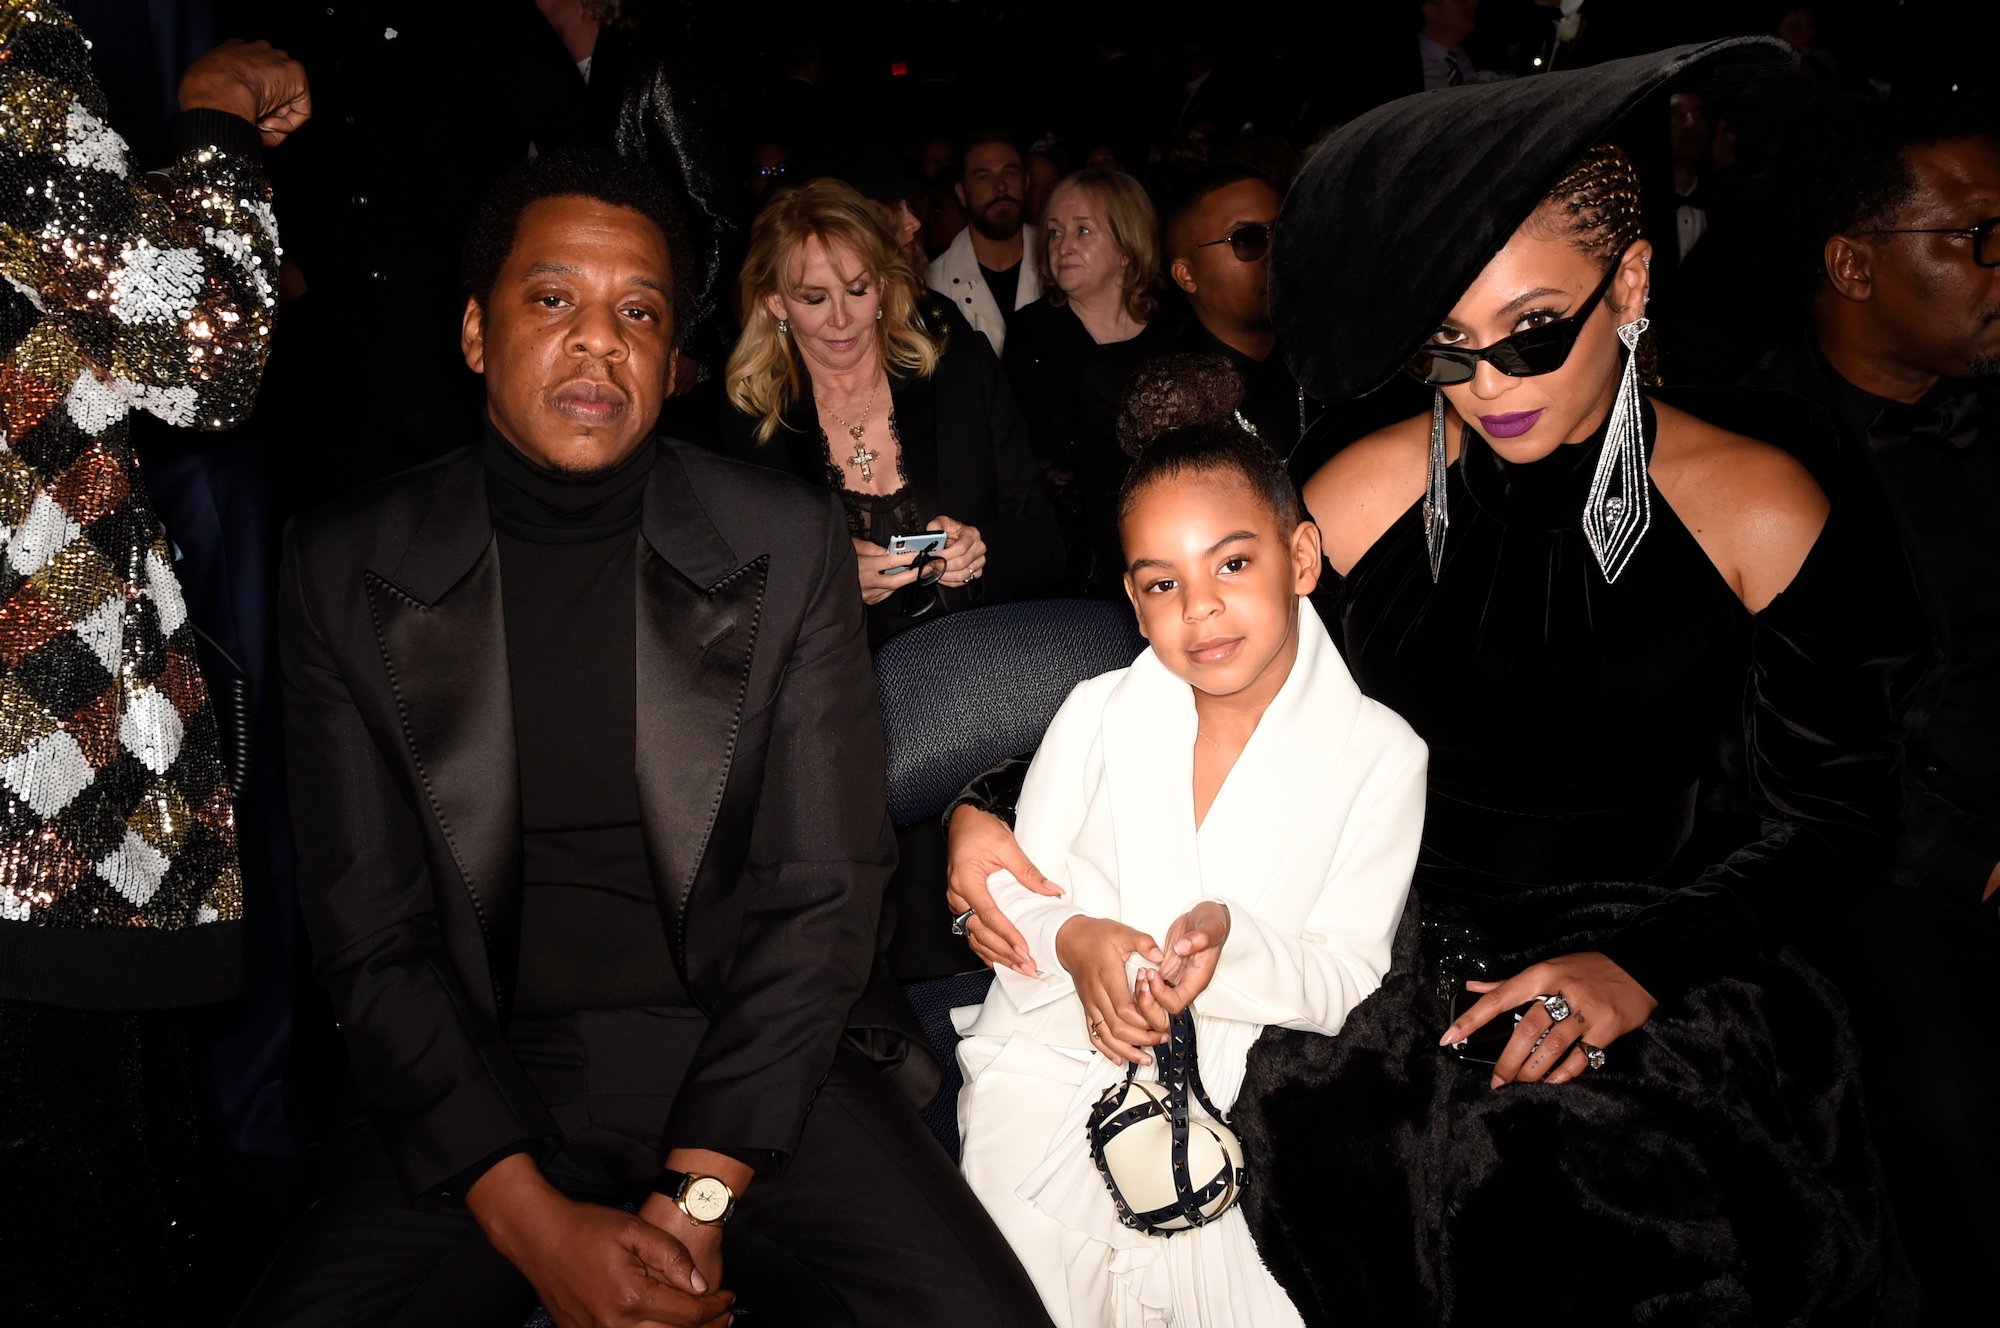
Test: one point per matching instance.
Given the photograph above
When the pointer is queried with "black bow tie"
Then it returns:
(1952, 417)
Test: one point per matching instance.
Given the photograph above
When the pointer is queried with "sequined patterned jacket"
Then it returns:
(119, 886)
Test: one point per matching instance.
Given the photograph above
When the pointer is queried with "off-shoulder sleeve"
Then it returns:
(123, 295)
(1833, 661)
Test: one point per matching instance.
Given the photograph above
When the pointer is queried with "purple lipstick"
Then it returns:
(1511, 425)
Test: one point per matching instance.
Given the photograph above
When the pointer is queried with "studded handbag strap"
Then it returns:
(1179, 1074)
(1191, 1074)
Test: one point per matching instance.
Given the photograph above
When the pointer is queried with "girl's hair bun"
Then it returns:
(1177, 392)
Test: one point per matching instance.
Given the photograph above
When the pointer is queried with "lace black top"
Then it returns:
(962, 451)
(1572, 722)
(876, 517)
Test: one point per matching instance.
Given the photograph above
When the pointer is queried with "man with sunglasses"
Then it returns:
(1219, 238)
(1220, 234)
(1902, 252)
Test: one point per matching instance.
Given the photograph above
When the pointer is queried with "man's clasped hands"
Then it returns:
(591, 1264)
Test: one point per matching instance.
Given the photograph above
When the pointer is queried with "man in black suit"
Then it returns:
(1219, 233)
(1395, 50)
(1443, 26)
(588, 781)
(1896, 235)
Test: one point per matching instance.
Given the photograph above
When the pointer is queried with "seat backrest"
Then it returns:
(963, 693)
(933, 1002)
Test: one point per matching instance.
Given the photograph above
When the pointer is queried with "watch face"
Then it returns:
(706, 1199)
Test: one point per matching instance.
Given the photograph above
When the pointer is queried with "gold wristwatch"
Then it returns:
(706, 1200)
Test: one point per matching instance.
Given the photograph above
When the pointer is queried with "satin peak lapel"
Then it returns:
(697, 615)
(438, 621)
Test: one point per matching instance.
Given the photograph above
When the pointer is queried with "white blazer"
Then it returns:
(955, 275)
(1311, 843)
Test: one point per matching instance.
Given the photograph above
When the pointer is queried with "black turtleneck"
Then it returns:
(592, 932)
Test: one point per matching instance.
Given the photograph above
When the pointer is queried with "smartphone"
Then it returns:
(929, 541)
(1490, 1038)
(923, 546)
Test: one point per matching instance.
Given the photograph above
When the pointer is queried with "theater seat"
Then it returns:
(969, 690)
(958, 696)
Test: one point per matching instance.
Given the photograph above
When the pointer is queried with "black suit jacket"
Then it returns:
(1938, 497)
(760, 779)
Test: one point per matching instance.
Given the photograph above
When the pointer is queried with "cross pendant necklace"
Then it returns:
(863, 459)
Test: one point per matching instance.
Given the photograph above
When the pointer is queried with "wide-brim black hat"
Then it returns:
(1400, 209)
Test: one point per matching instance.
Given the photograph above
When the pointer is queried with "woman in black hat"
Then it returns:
(1596, 1084)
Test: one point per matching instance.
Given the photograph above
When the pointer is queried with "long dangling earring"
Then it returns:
(784, 326)
(1436, 518)
(1619, 507)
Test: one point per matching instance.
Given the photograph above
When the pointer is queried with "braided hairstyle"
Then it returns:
(1596, 205)
(1180, 417)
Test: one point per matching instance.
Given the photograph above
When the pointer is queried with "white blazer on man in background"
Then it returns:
(955, 275)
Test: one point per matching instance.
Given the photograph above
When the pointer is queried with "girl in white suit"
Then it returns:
(1235, 826)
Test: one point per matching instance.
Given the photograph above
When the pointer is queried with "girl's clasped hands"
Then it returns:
(1125, 1020)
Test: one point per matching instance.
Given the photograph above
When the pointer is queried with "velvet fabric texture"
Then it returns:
(1397, 213)
(1647, 770)
(1715, 1172)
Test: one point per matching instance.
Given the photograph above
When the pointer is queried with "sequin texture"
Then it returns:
(115, 809)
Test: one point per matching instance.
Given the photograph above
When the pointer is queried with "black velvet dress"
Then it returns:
(1717, 1169)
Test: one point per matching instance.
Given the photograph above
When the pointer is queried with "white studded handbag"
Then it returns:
(1169, 1168)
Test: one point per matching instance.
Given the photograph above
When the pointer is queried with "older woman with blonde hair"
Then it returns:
(1070, 354)
(851, 375)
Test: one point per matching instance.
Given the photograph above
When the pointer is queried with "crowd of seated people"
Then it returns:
(1552, 473)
